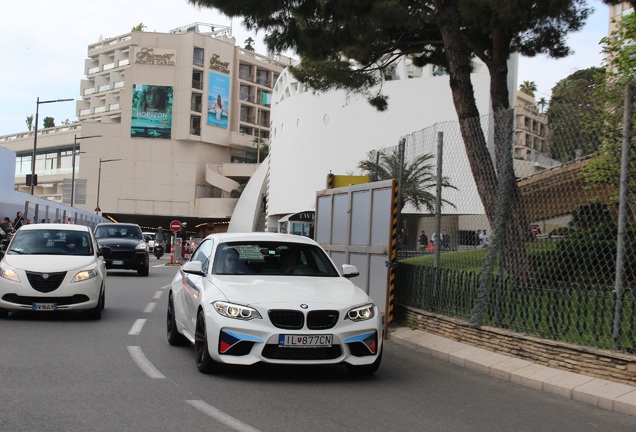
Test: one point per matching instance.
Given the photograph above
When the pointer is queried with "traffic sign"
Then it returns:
(175, 226)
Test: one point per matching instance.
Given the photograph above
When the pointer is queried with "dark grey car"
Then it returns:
(129, 249)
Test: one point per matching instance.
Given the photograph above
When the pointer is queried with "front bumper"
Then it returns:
(250, 342)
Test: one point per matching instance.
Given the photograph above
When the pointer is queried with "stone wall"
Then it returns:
(594, 362)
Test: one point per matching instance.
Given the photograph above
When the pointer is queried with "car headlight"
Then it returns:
(231, 310)
(84, 275)
(361, 313)
(142, 246)
(9, 274)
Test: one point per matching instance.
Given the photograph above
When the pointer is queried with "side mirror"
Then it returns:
(349, 271)
(104, 251)
(193, 267)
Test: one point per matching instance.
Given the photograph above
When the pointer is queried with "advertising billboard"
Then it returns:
(218, 100)
(151, 111)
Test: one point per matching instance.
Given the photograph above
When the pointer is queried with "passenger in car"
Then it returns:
(232, 264)
(288, 260)
(74, 245)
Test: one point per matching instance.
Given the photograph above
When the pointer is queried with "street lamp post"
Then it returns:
(35, 135)
(99, 180)
(73, 163)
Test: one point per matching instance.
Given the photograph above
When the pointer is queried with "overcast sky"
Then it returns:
(43, 45)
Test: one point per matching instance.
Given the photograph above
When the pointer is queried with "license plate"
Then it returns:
(305, 341)
(44, 306)
(118, 263)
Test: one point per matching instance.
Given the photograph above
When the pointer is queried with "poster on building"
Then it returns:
(219, 100)
(151, 111)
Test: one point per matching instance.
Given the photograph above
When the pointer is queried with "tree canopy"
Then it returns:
(572, 105)
(48, 122)
(528, 87)
(608, 117)
(343, 44)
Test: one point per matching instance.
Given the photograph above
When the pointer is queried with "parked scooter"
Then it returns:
(159, 249)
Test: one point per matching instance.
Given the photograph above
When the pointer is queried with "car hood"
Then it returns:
(48, 263)
(288, 289)
(118, 242)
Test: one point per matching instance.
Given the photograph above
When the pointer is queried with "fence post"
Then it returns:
(622, 216)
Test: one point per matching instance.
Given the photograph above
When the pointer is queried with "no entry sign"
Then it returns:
(175, 226)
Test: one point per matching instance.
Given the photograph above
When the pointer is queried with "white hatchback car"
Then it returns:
(53, 267)
(272, 298)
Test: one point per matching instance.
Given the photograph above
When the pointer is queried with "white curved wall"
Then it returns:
(317, 134)
(314, 134)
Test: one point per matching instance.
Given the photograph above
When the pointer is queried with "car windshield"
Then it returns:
(51, 242)
(272, 258)
(118, 231)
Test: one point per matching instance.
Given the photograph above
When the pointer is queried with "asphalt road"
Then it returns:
(67, 373)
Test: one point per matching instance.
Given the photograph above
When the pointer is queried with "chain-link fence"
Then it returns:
(521, 220)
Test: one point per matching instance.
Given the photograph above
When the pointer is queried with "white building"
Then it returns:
(314, 134)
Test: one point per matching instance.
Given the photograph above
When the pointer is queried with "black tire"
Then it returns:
(4, 314)
(174, 337)
(96, 312)
(369, 369)
(144, 271)
(204, 362)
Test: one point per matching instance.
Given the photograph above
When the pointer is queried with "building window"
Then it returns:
(412, 71)
(197, 58)
(244, 93)
(197, 80)
(246, 115)
(390, 73)
(262, 77)
(195, 103)
(245, 72)
(195, 125)
(439, 70)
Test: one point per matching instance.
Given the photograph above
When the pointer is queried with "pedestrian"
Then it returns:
(445, 240)
(483, 239)
(401, 240)
(423, 240)
(7, 227)
(18, 221)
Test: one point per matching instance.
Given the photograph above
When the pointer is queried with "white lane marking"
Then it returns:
(150, 307)
(166, 286)
(143, 363)
(157, 295)
(137, 326)
(221, 417)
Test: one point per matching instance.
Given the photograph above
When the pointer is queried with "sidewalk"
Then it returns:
(604, 394)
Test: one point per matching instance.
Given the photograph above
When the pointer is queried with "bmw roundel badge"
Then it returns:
(304, 306)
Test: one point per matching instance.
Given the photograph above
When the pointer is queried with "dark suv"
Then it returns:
(129, 249)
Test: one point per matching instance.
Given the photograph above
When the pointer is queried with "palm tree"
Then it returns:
(541, 103)
(418, 176)
(528, 87)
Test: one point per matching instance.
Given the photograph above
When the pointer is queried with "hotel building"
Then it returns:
(169, 127)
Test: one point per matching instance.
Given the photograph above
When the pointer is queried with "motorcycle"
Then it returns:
(159, 250)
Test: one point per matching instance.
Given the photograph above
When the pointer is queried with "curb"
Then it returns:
(608, 395)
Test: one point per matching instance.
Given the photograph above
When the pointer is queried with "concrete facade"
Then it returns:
(190, 173)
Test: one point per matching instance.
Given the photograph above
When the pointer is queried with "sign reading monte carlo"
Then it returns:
(154, 56)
